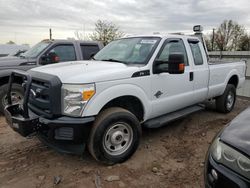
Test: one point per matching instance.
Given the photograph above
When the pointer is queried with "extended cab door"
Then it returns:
(200, 70)
(171, 92)
(63, 51)
(89, 50)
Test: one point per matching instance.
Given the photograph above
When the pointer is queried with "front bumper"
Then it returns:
(65, 134)
(224, 177)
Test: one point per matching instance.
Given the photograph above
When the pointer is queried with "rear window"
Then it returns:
(89, 51)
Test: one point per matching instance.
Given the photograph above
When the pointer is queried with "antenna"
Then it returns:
(50, 34)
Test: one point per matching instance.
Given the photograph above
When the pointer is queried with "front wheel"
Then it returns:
(115, 136)
(225, 103)
(17, 94)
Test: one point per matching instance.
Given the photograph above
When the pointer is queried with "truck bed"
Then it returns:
(220, 72)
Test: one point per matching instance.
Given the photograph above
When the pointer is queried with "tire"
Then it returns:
(115, 136)
(17, 92)
(225, 103)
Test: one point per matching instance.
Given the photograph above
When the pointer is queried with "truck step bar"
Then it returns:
(163, 120)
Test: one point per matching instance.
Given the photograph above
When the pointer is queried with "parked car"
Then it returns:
(228, 158)
(11, 49)
(136, 81)
(43, 53)
(17, 53)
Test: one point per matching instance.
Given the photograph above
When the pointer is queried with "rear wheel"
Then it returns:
(16, 95)
(225, 103)
(115, 136)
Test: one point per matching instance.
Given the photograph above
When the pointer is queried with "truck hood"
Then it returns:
(12, 61)
(88, 71)
(237, 133)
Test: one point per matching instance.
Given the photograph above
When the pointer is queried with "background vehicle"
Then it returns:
(17, 54)
(136, 81)
(43, 53)
(12, 49)
(228, 158)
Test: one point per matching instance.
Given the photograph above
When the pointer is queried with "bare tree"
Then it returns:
(244, 43)
(106, 32)
(209, 42)
(238, 33)
(80, 35)
(228, 34)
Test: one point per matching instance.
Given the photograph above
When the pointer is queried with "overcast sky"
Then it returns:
(28, 21)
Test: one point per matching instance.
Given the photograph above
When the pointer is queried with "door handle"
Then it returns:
(191, 76)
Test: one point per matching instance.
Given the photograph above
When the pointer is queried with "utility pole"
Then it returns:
(50, 34)
(213, 40)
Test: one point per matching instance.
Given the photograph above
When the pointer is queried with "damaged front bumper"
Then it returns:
(65, 134)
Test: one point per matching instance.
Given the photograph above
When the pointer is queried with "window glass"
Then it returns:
(174, 46)
(88, 51)
(65, 52)
(198, 60)
(36, 50)
(135, 50)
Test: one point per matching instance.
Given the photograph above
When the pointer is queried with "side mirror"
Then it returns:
(176, 63)
(49, 58)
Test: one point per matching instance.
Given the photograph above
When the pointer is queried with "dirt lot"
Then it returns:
(172, 156)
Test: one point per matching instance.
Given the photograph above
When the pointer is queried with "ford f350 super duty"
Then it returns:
(137, 81)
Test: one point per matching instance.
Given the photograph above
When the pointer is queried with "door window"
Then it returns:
(65, 52)
(170, 47)
(88, 51)
(196, 51)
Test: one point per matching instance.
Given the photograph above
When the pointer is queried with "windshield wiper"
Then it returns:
(114, 60)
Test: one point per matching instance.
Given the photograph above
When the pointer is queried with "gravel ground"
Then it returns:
(169, 157)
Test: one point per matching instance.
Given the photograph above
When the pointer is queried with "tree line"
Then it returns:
(105, 32)
(229, 36)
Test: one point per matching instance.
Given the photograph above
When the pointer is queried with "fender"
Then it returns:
(6, 73)
(100, 100)
(233, 72)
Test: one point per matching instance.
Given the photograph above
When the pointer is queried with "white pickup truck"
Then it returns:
(137, 81)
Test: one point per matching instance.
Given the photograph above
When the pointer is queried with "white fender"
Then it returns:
(99, 101)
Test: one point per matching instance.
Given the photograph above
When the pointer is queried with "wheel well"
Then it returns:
(234, 81)
(5, 80)
(129, 103)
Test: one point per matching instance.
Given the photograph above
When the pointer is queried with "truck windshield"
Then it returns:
(36, 50)
(136, 50)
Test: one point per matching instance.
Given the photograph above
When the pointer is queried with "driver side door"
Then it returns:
(171, 92)
(63, 53)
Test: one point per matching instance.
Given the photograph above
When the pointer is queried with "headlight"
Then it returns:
(75, 98)
(231, 158)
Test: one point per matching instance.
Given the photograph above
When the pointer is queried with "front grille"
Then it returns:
(45, 95)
